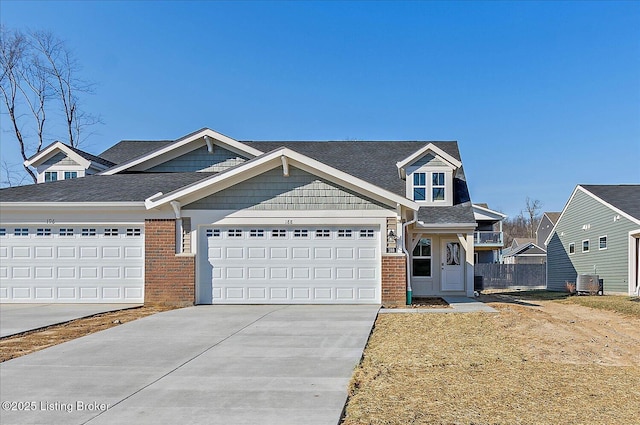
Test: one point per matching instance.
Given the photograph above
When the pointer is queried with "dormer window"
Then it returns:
(432, 187)
(437, 186)
(50, 176)
(419, 186)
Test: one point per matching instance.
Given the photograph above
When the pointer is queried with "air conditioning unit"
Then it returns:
(589, 283)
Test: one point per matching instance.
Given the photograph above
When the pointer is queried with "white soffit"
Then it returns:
(273, 159)
(178, 147)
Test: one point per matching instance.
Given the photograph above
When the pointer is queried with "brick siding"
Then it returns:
(169, 278)
(394, 280)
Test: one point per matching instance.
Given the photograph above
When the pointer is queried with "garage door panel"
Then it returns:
(287, 265)
(73, 264)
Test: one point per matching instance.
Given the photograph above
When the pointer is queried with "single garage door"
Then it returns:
(287, 265)
(72, 264)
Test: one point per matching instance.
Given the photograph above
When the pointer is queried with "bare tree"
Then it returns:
(533, 208)
(39, 76)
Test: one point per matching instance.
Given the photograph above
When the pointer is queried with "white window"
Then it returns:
(585, 246)
(323, 233)
(134, 231)
(88, 232)
(419, 186)
(70, 175)
(345, 233)
(111, 232)
(602, 242)
(20, 232)
(278, 233)
(66, 232)
(3, 231)
(256, 233)
(50, 176)
(300, 233)
(572, 248)
(422, 258)
(213, 233)
(437, 186)
(235, 233)
(367, 233)
(43, 232)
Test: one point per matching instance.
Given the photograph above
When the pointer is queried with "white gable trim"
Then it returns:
(53, 149)
(267, 162)
(486, 212)
(585, 191)
(451, 161)
(180, 146)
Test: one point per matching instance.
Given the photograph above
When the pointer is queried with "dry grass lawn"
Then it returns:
(29, 342)
(536, 362)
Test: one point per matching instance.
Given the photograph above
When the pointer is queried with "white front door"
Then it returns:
(452, 264)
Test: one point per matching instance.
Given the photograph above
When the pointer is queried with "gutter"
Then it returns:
(406, 253)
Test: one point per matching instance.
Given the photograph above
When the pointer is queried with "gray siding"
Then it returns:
(428, 159)
(201, 160)
(610, 264)
(273, 191)
(60, 159)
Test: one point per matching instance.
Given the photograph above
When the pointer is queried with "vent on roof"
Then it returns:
(589, 283)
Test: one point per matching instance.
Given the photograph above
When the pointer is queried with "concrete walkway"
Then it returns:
(205, 364)
(18, 318)
(456, 305)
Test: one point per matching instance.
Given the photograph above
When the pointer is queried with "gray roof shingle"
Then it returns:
(625, 197)
(97, 188)
(130, 149)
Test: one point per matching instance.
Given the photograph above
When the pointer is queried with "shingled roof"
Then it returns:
(625, 197)
(129, 149)
(97, 188)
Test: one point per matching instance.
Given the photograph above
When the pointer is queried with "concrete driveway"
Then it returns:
(18, 318)
(205, 364)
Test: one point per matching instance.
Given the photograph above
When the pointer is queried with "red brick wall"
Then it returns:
(394, 280)
(169, 278)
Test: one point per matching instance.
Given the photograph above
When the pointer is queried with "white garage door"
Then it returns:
(72, 264)
(286, 265)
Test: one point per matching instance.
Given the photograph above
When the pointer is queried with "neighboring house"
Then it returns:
(545, 226)
(598, 232)
(523, 251)
(209, 219)
(488, 237)
(59, 161)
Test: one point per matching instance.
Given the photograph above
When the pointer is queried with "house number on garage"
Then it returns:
(288, 222)
(51, 221)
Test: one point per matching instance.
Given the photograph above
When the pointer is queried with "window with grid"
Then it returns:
(602, 242)
(43, 232)
(20, 231)
(3, 231)
(585, 246)
(256, 233)
(300, 233)
(422, 258)
(88, 232)
(111, 232)
(213, 233)
(323, 233)
(70, 175)
(437, 186)
(278, 233)
(367, 233)
(135, 231)
(50, 176)
(419, 186)
(234, 233)
(345, 233)
(66, 232)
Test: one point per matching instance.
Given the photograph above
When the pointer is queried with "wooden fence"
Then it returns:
(505, 276)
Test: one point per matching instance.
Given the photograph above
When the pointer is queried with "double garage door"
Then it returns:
(292, 265)
(72, 264)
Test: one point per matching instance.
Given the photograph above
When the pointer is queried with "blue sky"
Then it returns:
(541, 96)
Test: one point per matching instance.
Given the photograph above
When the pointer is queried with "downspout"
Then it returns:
(406, 253)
